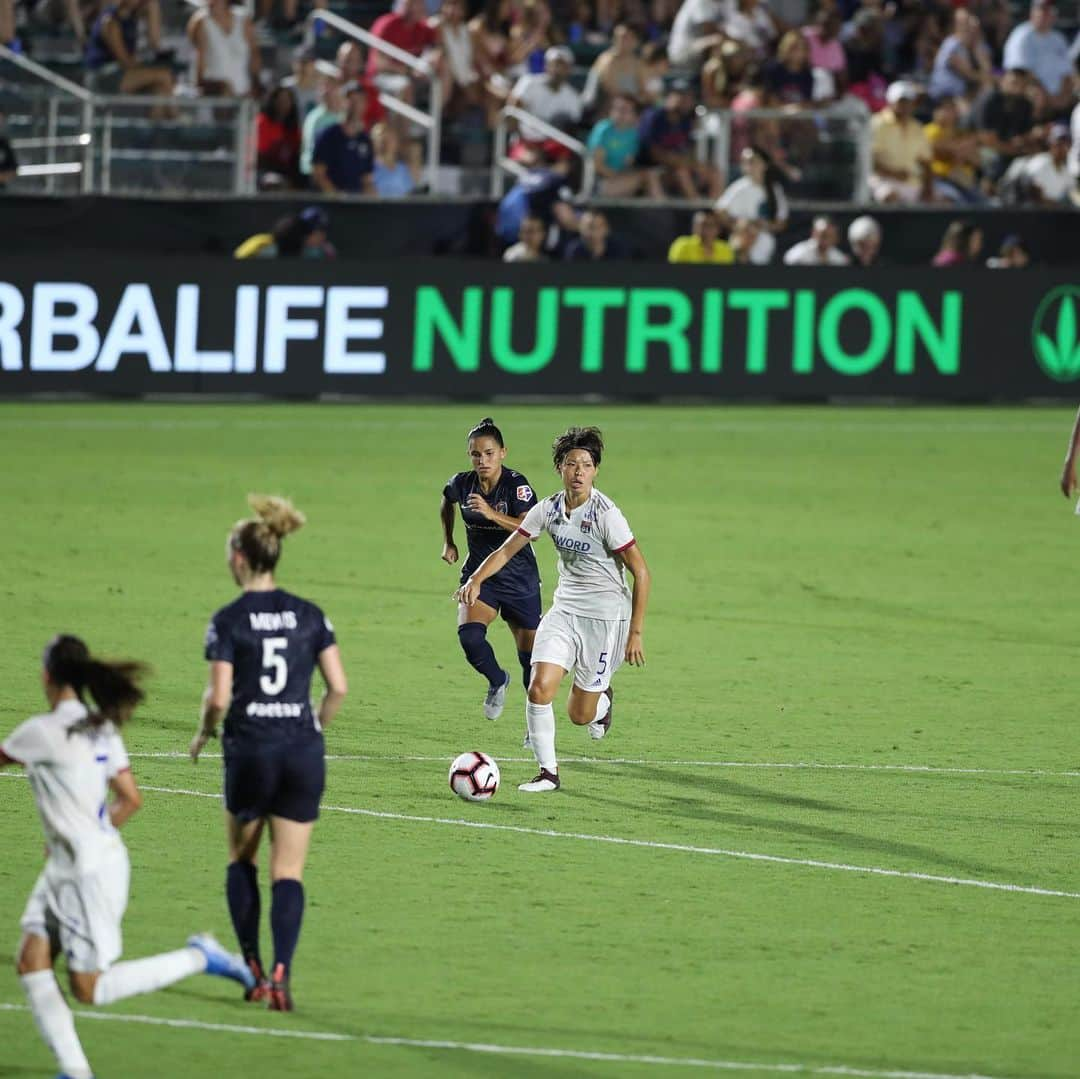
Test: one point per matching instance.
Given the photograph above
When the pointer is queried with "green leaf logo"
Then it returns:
(1054, 334)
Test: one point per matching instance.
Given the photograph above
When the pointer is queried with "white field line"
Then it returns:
(521, 1050)
(649, 844)
(927, 769)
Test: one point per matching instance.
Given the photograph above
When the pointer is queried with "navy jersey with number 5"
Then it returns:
(512, 496)
(273, 641)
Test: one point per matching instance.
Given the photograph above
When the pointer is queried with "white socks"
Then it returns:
(145, 975)
(541, 721)
(602, 706)
(55, 1022)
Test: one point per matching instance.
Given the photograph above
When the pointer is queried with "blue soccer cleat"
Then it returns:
(222, 963)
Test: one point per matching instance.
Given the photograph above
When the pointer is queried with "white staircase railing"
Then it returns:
(502, 163)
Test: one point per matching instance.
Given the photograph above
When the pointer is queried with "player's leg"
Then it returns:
(294, 811)
(473, 622)
(603, 646)
(554, 652)
(522, 615)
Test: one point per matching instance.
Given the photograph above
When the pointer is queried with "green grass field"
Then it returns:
(867, 588)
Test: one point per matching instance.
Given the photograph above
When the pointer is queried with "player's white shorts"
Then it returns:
(592, 648)
(82, 913)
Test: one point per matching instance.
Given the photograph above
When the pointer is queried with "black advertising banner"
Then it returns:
(462, 329)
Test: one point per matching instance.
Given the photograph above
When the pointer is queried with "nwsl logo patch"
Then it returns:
(524, 493)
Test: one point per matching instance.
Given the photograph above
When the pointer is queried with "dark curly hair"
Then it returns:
(578, 438)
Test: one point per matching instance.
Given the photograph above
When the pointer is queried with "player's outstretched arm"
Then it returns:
(635, 642)
(126, 800)
(479, 504)
(1068, 472)
(446, 516)
(336, 686)
(469, 592)
(215, 703)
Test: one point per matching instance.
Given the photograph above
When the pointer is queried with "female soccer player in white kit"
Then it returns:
(594, 622)
(73, 757)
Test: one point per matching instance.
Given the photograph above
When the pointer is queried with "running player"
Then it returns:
(494, 500)
(263, 649)
(73, 758)
(594, 622)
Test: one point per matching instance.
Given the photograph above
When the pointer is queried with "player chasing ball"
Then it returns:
(594, 623)
(73, 758)
(494, 500)
(263, 648)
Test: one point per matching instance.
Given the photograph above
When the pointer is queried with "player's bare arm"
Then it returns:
(1068, 472)
(469, 592)
(333, 672)
(126, 799)
(479, 504)
(215, 704)
(446, 515)
(634, 561)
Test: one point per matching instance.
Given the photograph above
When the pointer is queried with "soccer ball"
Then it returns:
(474, 776)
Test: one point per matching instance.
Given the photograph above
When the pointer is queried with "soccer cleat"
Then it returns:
(495, 699)
(599, 727)
(220, 962)
(545, 781)
(260, 991)
(280, 999)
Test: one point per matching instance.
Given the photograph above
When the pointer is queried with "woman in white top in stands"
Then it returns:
(73, 758)
(226, 60)
(755, 196)
(594, 623)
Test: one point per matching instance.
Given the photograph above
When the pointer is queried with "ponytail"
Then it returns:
(258, 539)
(113, 686)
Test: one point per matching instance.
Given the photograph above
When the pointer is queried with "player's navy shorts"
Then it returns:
(520, 608)
(283, 779)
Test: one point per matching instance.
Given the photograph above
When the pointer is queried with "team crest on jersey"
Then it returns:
(524, 493)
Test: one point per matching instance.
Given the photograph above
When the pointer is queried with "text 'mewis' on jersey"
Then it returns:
(513, 496)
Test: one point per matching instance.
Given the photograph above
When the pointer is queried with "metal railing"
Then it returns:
(430, 121)
(503, 164)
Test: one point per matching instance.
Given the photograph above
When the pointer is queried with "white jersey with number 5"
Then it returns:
(589, 539)
(69, 764)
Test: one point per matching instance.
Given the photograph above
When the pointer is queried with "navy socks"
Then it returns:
(242, 893)
(286, 914)
(474, 643)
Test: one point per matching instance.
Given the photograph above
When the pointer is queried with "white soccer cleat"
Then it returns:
(599, 727)
(495, 700)
(545, 781)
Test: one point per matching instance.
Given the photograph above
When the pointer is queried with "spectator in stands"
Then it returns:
(826, 52)
(1004, 118)
(351, 67)
(618, 70)
(614, 145)
(901, 152)
(750, 23)
(1037, 47)
(865, 60)
(820, 249)
(954, 155)
(960, 246)
(742, 239)
(305, 82)
(756, 196)
(462, 86)
(726, 67)
(114, 39)
(703, 245)
(654, 60)
(531, 35)
(864, 239)
(226, 58)
(1046, 176)
(344, 159)
(667, 144)
(8, 35)
(9, 163)
(1012, 255)
(788, 79)
(392, 176)
(594, 242)
(407, 28)
(303, 234)
(277, 137)
(549, 97)
(695, 23)
(963, 66)
(539, 192)
(329, 111)
(530, 245)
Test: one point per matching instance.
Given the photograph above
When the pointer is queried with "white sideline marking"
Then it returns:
(650, 844)
(521, 1050)
(790, 765)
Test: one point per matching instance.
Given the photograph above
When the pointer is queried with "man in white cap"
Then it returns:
(549, 97)
(901, 151)
(1046, 175)
(864, 239)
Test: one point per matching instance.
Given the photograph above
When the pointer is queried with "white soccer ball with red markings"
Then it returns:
(474, 776)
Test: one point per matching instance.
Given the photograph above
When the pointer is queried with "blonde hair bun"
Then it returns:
(277, 513)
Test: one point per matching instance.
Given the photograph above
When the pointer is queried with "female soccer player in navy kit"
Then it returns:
(494, 500)
(263, 649)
